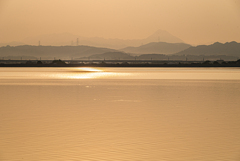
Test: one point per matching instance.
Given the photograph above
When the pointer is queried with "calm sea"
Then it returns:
(119, 114)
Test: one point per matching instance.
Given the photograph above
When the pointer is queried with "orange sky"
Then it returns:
(194, 21)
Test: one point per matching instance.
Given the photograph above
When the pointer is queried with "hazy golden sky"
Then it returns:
(194, 21)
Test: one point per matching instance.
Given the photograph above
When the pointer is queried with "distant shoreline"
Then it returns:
(119, 65)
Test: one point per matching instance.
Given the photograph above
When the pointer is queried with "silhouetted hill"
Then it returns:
(228, 49)
(110, 56)
(157, 48)
(50, 52)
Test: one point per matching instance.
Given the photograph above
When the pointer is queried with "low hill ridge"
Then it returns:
(157, 48)
(228, 49)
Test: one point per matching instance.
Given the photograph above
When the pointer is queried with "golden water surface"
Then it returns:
(125, 114)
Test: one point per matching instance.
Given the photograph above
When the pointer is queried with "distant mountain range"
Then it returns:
(51, 52)
(66, 39)
(228, 49)
(157, 48)
(178, 51)
(68, 52)
(154, 50)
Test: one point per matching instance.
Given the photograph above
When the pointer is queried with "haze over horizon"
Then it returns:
(194, 22)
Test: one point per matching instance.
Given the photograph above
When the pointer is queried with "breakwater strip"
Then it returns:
(116, 63)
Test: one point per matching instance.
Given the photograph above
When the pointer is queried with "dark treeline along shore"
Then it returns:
(124, 63)
(155, 54)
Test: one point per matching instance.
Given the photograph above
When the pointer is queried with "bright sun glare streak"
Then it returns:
(90, 70)
(91, 75)
(87, 73)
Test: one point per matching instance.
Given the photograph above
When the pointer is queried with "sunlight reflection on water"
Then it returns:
(121, 73)
(86, 73)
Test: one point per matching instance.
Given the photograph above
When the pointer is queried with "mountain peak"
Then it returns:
(163, 36)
